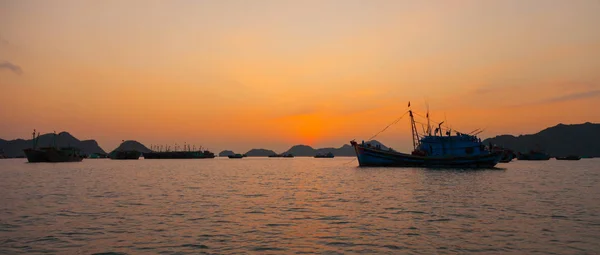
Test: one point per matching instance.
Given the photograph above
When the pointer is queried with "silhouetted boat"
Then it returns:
(125, 155)
(288, 155)
(327, 155)
(52, 154)
(276, 156)
(507, 155)
(236, 156)
(97, 155)
(179, 155)
(533, 155)
(430, 150)
(570, 157)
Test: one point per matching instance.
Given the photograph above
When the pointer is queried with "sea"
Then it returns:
(297, 206)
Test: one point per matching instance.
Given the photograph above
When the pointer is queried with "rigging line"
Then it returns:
(395, 121)
(434, 121)
(349, 162)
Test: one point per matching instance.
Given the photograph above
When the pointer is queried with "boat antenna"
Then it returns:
(440, 127)
(33, 140)
(428, 122)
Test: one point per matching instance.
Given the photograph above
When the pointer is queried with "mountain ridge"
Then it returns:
(559, 140)
(14, 148)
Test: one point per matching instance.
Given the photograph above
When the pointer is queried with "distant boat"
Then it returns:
(276, 156)
(570, 157)
(97, 155)
(328, 155)
(52, 154)
(533, 155)
(288, 155)
(125, 155)
(236, 156)
(179, 155)
(430, 150)
(507, 155)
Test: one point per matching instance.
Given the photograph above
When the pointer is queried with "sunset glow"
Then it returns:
(270, 74)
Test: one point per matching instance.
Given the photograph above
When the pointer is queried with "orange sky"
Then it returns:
(270, 74)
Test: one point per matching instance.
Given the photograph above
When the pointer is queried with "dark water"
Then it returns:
(294, 206)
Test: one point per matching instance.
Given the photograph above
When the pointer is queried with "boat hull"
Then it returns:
(372, 157)
(178, 155)
(535, 156)
(125, 155)
(569, 158)
(52, 156)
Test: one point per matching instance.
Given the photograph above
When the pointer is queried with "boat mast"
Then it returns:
(33, 140)
(415, 133)
(428, 122)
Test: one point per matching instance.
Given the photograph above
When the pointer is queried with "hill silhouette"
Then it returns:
(560, 140)
(14, 148)
(226, 153)
(131, 145)
(259, 153)
(346, 150)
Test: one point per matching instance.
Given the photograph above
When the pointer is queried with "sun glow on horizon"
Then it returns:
(271, 74)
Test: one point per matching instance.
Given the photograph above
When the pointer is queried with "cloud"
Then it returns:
(574, 96)
(12, 67)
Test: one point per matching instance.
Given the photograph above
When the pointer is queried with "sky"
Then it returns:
(238, 75)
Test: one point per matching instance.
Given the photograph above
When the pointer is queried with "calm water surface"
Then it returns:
(299, 205)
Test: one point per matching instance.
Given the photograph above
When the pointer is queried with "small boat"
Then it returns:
(97, 155)
(179, 155)
(570, 157)
(431, 150)
(52, 154)
(327, 155)
(236, 156)
(276, 156)
(288, 155)
(125, 155)
(507, 155)
(533, 155)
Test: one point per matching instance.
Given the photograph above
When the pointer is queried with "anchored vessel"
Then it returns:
(570, 157)
(430, 150)
(122, 155)
(283, 155)
(533, 155)
(52, 154)
(328, 155)
(179, 155)
(236, 156)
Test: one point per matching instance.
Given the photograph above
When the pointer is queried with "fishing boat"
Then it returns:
(52, 154)
(507, 154)
(97, 155)
(431, 150)
(326, 155)
(237, 155)
(570, 157)
(533, 155)
(179, 154)
(125, 155)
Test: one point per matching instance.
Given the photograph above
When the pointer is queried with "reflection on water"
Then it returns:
(299, 205)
